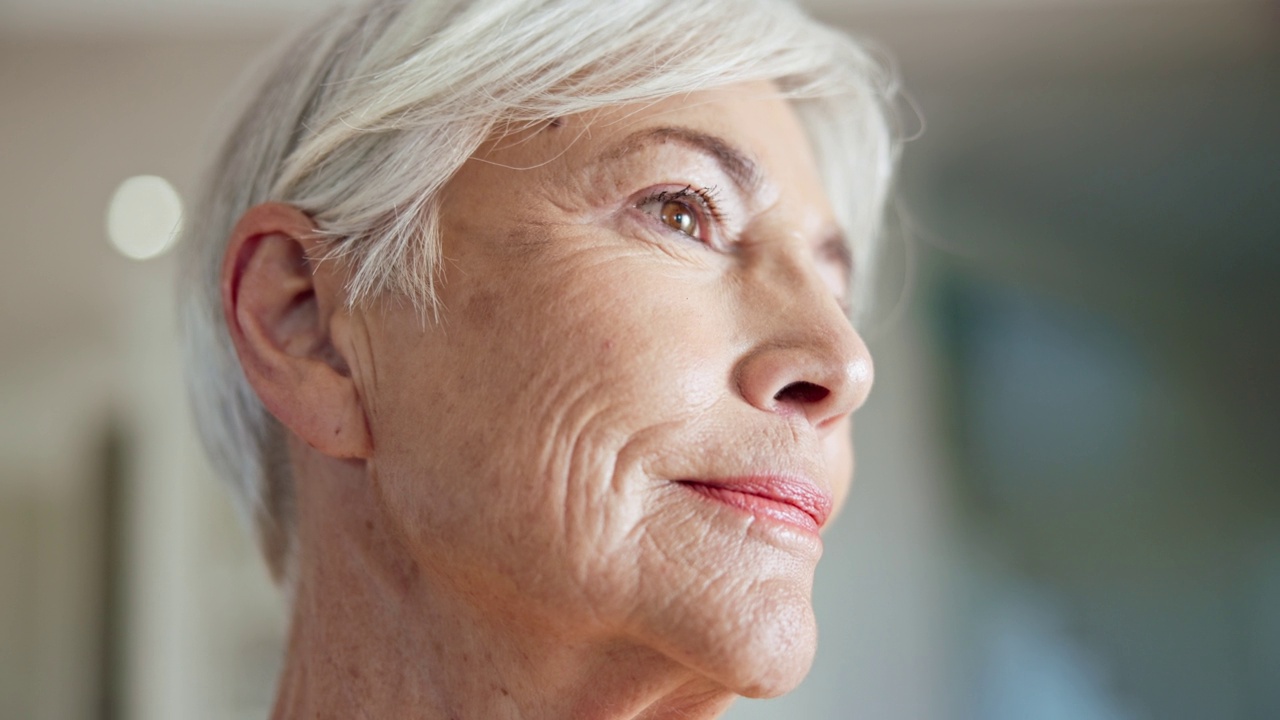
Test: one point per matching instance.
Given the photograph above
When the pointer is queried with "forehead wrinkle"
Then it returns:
(738, 165)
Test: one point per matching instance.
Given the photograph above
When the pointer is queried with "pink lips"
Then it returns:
(792, 501)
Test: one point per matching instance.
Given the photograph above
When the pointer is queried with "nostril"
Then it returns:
(802, 393)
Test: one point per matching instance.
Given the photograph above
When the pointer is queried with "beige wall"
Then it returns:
(89, 338)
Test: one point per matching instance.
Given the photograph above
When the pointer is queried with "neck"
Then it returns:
(372, 635)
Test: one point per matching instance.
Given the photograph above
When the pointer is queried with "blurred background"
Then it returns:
(1068, 494)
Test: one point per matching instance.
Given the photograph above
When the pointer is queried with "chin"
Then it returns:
(760, 646)
(779, 680)
(777, 662)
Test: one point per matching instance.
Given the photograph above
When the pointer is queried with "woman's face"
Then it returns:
(631, 416)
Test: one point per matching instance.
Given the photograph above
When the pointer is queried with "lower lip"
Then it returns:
(759, 506)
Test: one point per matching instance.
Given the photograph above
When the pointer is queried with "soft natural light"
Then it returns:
(144, 217)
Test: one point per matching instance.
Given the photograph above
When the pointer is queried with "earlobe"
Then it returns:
(280, 306)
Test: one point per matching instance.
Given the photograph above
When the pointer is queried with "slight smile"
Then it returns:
(793, 501)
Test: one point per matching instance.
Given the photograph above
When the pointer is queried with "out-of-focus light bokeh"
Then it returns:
(1068, 492)
(144, 217)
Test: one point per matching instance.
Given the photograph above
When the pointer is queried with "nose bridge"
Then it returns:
(804, 308)
(805, 356)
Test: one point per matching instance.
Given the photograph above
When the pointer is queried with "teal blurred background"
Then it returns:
(1068, 492)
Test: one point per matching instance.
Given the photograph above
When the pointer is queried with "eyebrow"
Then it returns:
(741, 169)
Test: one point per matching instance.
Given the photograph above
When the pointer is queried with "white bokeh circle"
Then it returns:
(144, 217)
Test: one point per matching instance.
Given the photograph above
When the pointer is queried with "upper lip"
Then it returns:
(800, 493)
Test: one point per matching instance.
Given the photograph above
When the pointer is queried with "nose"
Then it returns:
(806, 361)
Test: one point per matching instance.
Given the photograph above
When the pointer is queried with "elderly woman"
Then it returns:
(521, 328)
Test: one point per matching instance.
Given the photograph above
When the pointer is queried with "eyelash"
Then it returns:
(703, 198)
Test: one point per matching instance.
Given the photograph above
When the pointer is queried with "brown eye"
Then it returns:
(677, 216)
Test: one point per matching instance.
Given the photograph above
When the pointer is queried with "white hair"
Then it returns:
(366, 116)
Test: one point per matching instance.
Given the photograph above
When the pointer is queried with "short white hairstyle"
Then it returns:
(364, 118)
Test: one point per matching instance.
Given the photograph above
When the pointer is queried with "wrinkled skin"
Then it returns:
(504, 481)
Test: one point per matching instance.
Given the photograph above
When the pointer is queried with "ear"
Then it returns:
(281, 307)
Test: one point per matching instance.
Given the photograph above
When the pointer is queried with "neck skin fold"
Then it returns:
(372, 636)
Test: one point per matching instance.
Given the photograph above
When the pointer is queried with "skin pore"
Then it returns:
(498, 513)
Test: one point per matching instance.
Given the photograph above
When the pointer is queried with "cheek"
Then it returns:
(502, 432)
(837, 449)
